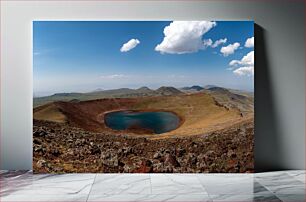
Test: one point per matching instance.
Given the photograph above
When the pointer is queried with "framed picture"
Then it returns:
(143, 96)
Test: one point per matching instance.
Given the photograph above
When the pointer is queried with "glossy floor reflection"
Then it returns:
(271, 186)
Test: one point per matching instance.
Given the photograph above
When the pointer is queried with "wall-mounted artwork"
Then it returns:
(143, 96)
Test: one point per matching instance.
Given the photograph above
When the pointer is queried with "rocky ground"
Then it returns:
(60, 148)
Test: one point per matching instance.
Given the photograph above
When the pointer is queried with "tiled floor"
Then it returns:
(272, 186)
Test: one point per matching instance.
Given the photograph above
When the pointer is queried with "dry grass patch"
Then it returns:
(49, 112)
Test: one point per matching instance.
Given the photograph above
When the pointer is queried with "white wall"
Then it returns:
(279, 80)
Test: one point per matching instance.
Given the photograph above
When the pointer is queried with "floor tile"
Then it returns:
(176, 184)
(286, 186)
(271, 173)
(281, 183)
(149, 198)
(43, 198)
(231, 198)
(260, 189)
(297, 174)
(291, 197)
(236, 184)
(117, 184)
(15, 180)
(47, 184)
(245, 198)
(266, 198)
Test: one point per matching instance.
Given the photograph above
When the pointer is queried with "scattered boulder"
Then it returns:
(41, 163)
(191, 159)
(171, 160)
(110, 158)
(231, 154)
(40, 134)
(181, 152)
(157, 155)
(95, 150)
(55, 152)
(36, 141)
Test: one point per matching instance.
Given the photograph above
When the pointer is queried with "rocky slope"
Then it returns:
(60, 148)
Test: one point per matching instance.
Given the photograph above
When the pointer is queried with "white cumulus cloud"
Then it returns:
(210, 43)
(244, 71)
(249, 43)
(230, 49)
(219, 42)
(207, 43)
(245, 66)
(184, 36)
(129, 45)
(247, 60)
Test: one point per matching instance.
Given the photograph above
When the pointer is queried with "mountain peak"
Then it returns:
(168, 90)
(218, 89)
(193, 88)
(144, 88)
(210, 86)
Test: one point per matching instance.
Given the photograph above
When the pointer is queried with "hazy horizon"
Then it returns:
(81, 56)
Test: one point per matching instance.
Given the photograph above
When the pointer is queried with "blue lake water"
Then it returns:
(156, 121)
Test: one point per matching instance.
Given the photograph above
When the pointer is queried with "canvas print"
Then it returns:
(143, 96)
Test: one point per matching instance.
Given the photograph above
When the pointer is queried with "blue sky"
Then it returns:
(81, 56)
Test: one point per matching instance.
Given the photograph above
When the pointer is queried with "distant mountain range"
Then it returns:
(115, 93)
(125, 93)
